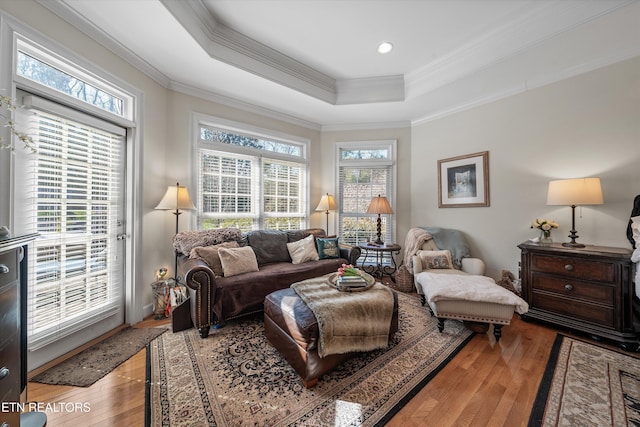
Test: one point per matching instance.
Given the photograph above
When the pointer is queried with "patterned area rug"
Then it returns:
(235, 378)
(88, 366)
(587, 385)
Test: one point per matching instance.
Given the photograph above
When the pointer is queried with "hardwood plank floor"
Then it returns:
(486, 383)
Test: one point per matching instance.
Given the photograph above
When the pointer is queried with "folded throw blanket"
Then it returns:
(348, 321)
(468, 287)
(412, 244)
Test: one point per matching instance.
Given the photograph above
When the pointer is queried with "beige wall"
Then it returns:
(585, 126)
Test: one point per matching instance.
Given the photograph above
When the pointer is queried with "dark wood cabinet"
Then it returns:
(13, 339)
(586, 289)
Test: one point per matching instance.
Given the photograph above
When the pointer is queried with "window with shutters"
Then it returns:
(366, 169)
(73, 199)
(250, 179)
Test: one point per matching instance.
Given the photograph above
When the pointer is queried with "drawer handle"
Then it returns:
(568, 267)
(568, 287)
(4, 372)
(4, 269)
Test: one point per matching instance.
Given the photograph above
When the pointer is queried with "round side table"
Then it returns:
(377, 251)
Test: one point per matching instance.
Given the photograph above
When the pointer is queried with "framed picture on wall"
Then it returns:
(463, 181)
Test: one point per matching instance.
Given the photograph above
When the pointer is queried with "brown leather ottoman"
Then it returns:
(292, 329)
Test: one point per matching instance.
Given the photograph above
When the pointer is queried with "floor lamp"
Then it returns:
(176, 199)
(574, 192)
(379, 205)
(327, 204)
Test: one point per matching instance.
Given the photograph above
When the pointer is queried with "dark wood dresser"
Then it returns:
(586, 289)
(13, 338)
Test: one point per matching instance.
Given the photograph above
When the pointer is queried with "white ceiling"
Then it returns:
(314, 62)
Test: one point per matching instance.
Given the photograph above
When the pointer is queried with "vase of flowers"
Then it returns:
(545, 226)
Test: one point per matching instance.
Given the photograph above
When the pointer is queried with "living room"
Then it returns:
(577, 120)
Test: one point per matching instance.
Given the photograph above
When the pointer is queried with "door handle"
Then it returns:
(121, 236)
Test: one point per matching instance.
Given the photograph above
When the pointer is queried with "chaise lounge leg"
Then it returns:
(423, 300)
(497, 331)
(441, 324)
(204, 332)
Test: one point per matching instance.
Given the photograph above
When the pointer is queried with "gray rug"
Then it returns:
(587, 385)
(234, 378)
(88, 366)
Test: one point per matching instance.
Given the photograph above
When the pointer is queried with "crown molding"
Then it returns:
(236, 49)
(531, 84)
(366, 126)
(478, 55)
(241, 105)
(77, 20)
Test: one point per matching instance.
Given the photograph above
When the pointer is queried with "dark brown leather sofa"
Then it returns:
(213, 300)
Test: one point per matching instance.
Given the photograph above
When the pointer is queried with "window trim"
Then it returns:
(392, 146)
(198, 120)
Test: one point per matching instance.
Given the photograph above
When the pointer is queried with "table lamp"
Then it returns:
(574, 192)
(379, 205)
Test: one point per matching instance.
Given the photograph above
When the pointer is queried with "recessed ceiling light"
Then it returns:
(385, 47)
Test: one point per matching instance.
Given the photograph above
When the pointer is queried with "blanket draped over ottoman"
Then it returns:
(348, 321)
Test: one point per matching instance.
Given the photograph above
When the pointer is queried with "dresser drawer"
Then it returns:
(9, 361)
(8, 314)
(600, 271)
(570, 288)
(603, 316)
(8, 261)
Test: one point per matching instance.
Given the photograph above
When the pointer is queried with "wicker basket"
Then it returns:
(404, 280)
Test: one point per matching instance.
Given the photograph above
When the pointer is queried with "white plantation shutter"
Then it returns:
(73, 197)
(250, 182)
(358, 185)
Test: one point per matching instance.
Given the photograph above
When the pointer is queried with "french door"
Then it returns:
(72, 193)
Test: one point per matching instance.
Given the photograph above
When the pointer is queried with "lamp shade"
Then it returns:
(574, 192)
(176, 198)
(379, 205)
(327, 203)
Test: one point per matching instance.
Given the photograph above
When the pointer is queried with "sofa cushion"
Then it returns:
(435, 259)
(236, 261)
(303, 250)
(269, 246)
(209, 254)
(295, 235)
(328, 247)
(245, 293)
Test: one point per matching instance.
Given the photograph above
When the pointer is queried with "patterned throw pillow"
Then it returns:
(209, 254)
(435, 259)
(303, 250)
(328, 247)
(237, 260)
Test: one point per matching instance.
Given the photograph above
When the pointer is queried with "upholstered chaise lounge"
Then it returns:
(461, 293)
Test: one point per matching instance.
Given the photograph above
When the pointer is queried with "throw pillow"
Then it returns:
(209, 254)
(328, 248)
(237, 260)
(435, 259)
(303, 250)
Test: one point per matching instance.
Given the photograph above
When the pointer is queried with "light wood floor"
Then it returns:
(486, 383)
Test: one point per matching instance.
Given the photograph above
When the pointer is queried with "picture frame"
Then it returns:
(463, 181)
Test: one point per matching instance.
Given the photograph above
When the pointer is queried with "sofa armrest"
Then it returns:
(350, 253)
(201, 284)
(473, 266)
(416, 263)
